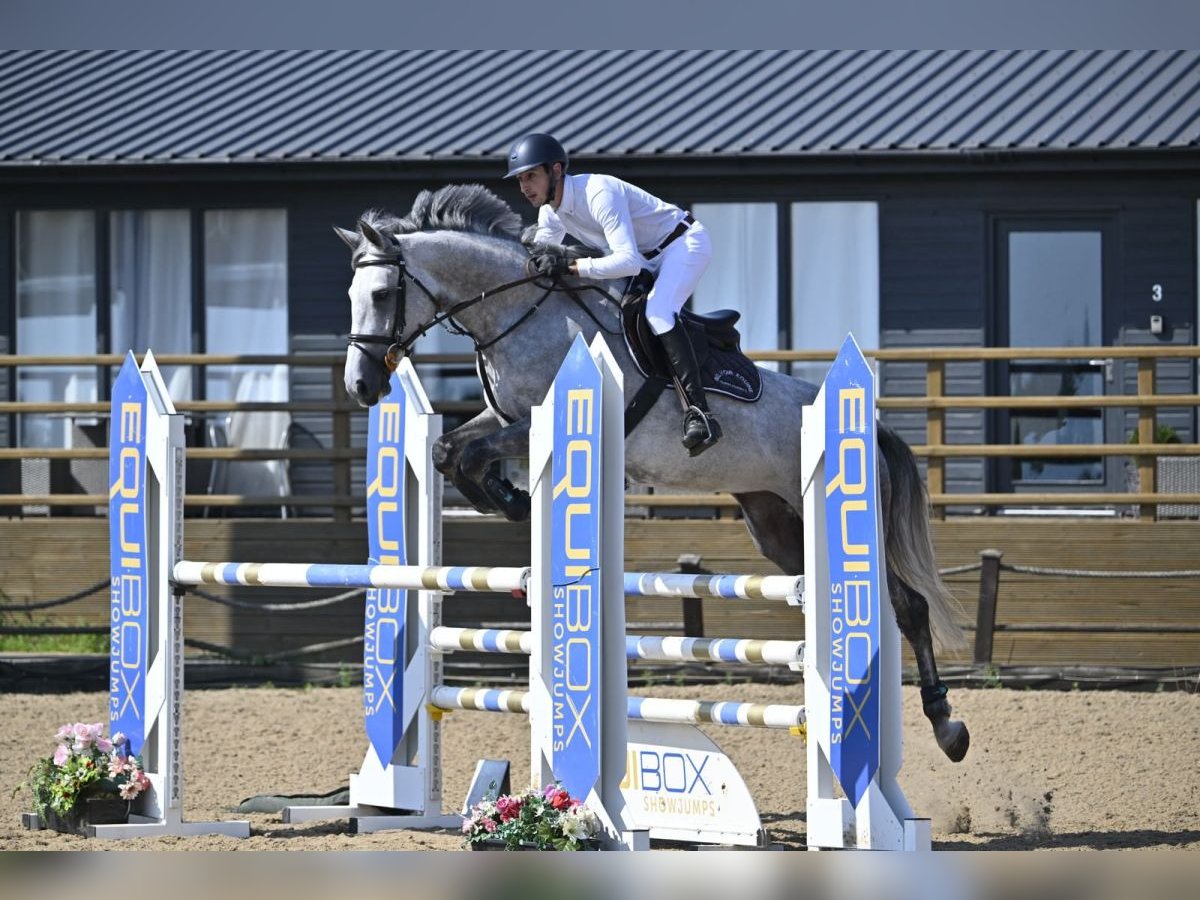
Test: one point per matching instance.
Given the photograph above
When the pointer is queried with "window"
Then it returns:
(743, 273)
(835, 279)
(245, 310)
(56, 315)
(65, 305)
(150, 266)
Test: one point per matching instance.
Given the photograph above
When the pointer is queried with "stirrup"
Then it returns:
(712, 431)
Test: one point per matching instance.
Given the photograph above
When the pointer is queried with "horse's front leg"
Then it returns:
(447, 457)
(479, 461)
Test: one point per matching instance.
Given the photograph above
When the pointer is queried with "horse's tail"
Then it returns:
(909, 543)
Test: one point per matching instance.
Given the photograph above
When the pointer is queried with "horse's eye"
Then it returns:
(380, 294)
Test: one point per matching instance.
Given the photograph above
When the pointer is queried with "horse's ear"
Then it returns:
(350, 238)
(376, 239)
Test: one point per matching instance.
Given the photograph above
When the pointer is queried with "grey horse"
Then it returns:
(457, 260)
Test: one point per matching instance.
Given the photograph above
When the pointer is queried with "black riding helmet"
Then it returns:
(534, 150)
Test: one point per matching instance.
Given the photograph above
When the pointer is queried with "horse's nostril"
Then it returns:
(360, 389)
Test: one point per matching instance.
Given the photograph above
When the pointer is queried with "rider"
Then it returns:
(640, 232)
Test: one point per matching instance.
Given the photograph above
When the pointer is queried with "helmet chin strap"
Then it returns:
(552, 190)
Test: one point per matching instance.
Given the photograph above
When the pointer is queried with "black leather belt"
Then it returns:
(684, 224)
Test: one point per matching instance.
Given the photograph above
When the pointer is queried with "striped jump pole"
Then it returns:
(786, 588)
(644, 709)
(663, 648)
(445, 579)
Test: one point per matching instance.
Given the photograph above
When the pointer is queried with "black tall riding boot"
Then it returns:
(700, 428)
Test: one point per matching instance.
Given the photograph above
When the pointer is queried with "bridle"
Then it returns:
(398, 345)
(395, 346)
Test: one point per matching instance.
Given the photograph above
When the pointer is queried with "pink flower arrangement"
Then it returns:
(550, 819)
(509, 807)
(85, 764)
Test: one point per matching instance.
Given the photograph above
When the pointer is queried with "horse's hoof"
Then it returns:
(517, 510)
(512, 502)
(953, 738)
(480, 502)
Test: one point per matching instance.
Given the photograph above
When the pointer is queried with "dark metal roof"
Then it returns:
(233, 106)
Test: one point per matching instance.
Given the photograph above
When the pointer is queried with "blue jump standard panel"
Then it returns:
(129, 618)
(386, 609)
(854, 569)
(576, 622)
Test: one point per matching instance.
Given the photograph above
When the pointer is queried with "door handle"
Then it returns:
(1107, 364)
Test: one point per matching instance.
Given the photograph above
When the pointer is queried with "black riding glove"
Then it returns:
(548, 264)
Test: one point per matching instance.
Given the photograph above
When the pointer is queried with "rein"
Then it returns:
(397, 345)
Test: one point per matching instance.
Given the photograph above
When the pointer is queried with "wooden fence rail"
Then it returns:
(935, 402)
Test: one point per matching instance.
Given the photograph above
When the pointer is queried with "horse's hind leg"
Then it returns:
(778, 532)
(919, 597)
(912, 615)
(776, 529)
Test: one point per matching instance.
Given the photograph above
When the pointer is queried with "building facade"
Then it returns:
(183, 201)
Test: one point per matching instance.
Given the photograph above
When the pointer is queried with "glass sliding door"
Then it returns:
(245, 300)
(1051, 278)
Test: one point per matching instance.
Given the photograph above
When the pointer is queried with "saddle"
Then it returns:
(724, 368)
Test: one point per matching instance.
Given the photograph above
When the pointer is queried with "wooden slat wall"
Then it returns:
(1104, 545)
(43, 559)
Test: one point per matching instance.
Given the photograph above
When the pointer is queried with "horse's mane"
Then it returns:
(470, 208)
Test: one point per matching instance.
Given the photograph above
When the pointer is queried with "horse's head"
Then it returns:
(388, 309)
(406, 269)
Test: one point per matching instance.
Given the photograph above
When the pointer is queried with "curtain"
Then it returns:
(245, 292)
(743, 273)
(835, 280)
(151, 288)
(56, 315)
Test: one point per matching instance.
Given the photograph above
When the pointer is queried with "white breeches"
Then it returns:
(679, 269)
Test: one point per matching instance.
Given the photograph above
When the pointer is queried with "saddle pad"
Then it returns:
(724, 369)
(730, 373)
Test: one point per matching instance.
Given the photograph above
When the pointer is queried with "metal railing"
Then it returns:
(935, 402)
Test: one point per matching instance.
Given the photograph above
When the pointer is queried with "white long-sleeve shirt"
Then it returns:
(606, 212)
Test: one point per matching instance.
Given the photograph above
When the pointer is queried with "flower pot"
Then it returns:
(90, 811)
(1174, 475)
(498, 844)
